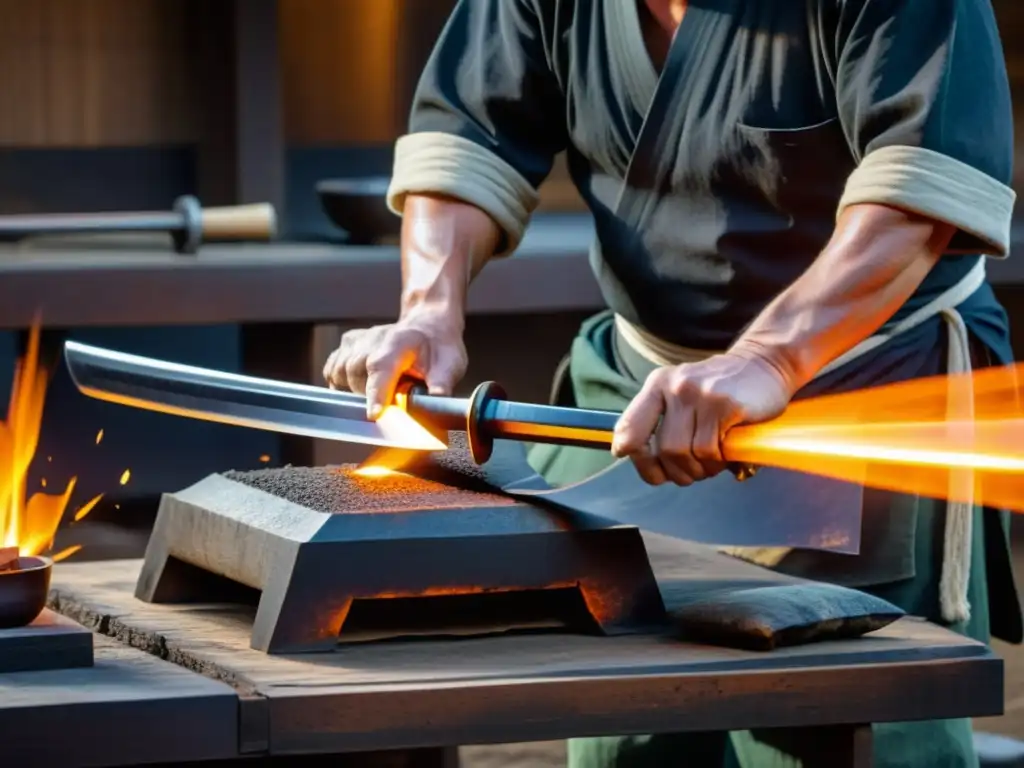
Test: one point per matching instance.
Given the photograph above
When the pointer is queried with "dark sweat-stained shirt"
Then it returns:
(716, 183)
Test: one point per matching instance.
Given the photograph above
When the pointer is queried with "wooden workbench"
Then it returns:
(138, 281)
(129, 708)
(425, 695)
(93, 282)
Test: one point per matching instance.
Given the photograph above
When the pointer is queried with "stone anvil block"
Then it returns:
(317, 543)
(51, 641)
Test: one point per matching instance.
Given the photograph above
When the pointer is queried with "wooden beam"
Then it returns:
(259, 130)
(242, 153)
(283, 351)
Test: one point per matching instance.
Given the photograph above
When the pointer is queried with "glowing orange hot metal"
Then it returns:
(898, 437)
(903, 437)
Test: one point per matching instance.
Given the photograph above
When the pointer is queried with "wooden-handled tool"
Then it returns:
(188, 223)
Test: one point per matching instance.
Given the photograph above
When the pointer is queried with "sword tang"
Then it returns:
(504, 419)
(508, 420)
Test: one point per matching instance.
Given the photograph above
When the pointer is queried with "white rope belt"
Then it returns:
(956, 558)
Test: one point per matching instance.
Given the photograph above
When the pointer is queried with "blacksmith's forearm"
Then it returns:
(876, 259)
(445, 243)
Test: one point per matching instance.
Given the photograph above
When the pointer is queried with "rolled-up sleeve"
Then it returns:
(487, 119)
(924, 100)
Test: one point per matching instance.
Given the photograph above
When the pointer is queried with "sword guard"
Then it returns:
(481, 445)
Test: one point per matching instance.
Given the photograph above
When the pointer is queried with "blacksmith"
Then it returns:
(790, 196)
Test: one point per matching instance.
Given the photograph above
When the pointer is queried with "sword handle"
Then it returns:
(438, 413)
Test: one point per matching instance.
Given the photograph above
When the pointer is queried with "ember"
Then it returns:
(27, 523)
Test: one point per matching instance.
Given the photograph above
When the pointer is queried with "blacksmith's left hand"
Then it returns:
(673, 429)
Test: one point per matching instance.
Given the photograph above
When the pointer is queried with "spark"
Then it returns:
(64, 554)
(88, 507)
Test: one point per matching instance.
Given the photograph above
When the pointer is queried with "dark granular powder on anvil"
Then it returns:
(452, 467)
(435, 481)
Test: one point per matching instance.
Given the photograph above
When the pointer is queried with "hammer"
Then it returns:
(188, 224)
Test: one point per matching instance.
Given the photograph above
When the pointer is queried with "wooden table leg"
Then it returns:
(843, 746)
(439, 757)
(283, 351)
(833, 746)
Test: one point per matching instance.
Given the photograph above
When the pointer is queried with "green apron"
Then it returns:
(596, 380)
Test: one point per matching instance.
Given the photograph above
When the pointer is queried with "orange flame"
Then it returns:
(398, 426)
(396, 423)
(64, 554)
(898, 437)
(373, 470)
(27, 522)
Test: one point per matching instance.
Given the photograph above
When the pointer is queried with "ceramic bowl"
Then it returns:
(23, 591)
(358, 205)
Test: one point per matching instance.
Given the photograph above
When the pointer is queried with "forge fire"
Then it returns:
(28, 522)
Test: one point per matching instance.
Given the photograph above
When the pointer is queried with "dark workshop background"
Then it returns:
(105, 105)
(108, 104)
(101, 108)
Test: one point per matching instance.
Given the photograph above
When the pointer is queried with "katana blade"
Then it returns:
(228, 398)
(296, 409)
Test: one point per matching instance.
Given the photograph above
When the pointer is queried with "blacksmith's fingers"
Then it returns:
(329, 369)
(707, 439)
(649, 467)
(675, 443)
(355, 371)
(637, 423)
(397, 355)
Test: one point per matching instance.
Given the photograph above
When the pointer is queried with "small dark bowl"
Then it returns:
(23, 591)
(359, 206)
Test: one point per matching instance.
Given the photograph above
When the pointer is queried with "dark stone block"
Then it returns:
(50, 642)
(317, 549)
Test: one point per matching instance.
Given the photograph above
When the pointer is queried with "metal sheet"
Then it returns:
(774, 508)
(227, 398)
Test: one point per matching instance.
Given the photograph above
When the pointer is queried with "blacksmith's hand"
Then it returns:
(425, 345)
(673, 430)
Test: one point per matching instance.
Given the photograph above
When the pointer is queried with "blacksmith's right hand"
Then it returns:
(425, 345)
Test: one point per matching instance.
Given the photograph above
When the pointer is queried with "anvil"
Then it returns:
(322, 546)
